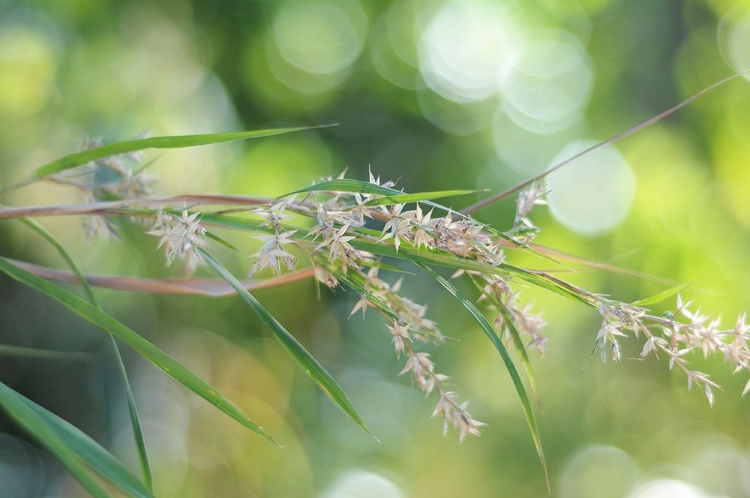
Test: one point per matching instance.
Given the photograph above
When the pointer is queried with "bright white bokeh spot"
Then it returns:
(320, 37)
(667, 488)
(464, 48)
(363, 484)
(550, 52)
(734, 39)
(528, 151)
(597, 471)
(550, 83)
(458, 119)
(386, 34)
(721, 468)
(592, 195)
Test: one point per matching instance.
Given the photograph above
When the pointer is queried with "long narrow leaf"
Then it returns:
(416, 197)
(303, 358)
(661, 296)
(91, 452)
(35, 424)
(451, 261)
(490, 332)
(155, 355)
(170, 142)
(509, 323)
(347, 185)
(24, 352)
(135, 421)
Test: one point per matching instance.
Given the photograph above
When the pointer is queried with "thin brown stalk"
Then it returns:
(107, 207)
(184, 286)
(645, 124)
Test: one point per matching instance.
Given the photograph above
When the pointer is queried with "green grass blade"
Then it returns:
(220, 240)
(357, 284)
(38, 228)
(155, 355)
(360, 187)
(171, 142)
(521, 350)
(417, 197)
(661, 296)
(407, 253)
(303, 358)
(347, 185)
(517, 342)
(24, 352)
(90, 451)
(135, 421)
(450, 261)
(498, 343)
(392, 196)
(36, 425)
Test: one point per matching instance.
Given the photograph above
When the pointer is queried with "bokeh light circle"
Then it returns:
(464, 48)
(595, 468)
(363, 484)
(734, 38)
(525, 150)
(550, 83)
(319, 37)
(661, 488)
(592, 195)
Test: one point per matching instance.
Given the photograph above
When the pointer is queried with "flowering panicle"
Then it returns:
(408, 323)
(121, 176)
(332, 227)
(675, 339)
(115, 177)
(340, 218)
(427, 380)
(182, 236)
(532, 196)
(273, 253)
(468, 239)
(388, 299)
(497, 290)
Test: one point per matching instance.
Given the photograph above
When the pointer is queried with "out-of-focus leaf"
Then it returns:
(135, 421)
(490, 332)
(37, 426)
(517, 342)
(155, 355)
(8, 350)
(303, 358)
(172, 142)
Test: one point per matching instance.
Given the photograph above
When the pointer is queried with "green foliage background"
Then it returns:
(70, 69)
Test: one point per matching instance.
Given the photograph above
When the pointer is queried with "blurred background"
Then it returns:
(436, 95)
